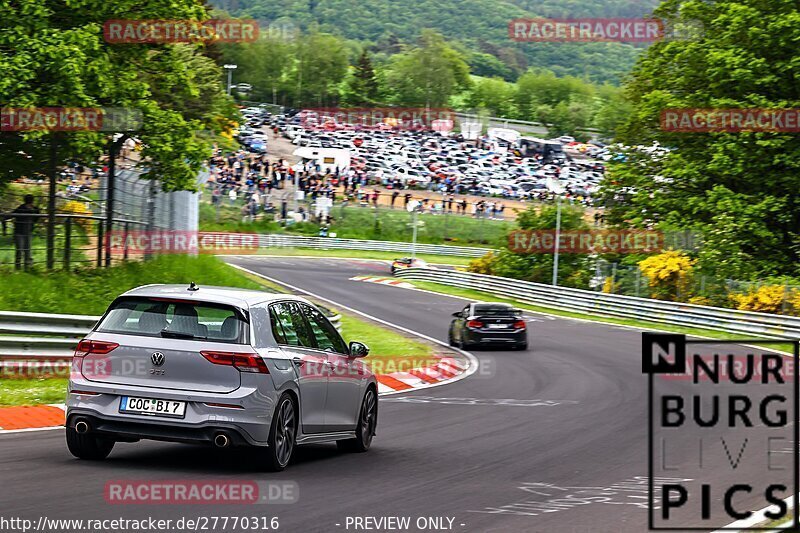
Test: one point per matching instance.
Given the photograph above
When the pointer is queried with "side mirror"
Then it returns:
(358, 349)
(457, 315)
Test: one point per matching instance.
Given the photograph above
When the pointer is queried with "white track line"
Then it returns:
(473, 361)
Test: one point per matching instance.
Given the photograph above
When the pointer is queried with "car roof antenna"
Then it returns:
(193, 287)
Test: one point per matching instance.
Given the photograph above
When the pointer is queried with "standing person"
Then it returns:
(406, 199)
(232, 195)
(23, 232)
(395, 194)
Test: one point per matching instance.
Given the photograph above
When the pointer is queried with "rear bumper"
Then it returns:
(250, 422)
(517, 338)
(127, 430)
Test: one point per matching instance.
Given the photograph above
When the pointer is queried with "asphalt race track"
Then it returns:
(563, 419)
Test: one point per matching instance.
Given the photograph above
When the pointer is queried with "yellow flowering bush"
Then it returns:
(483, 264)
(668, 273)
(765, 299)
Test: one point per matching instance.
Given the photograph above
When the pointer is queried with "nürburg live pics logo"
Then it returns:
(722, 419)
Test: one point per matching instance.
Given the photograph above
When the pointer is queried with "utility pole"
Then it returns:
(230, 68)
(558, 238)
(555, 187)
(113, 147)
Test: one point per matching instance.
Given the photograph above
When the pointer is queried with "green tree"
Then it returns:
(264, 64)
(363, 83)
(737, 188)
(494, 95)
(320, 64)
(574, 269)
(428, 74)
(53, 55)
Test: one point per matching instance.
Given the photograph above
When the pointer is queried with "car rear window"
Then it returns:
(495, 310)
(162, 317)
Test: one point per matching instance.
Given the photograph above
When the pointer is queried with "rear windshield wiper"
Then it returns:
(178, 335)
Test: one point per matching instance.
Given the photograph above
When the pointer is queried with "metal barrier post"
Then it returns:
(99, 243)
(67, 242)
(125, 243)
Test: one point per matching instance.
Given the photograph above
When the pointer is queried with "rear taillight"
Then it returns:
(474, 324)
(242, 361)
(519, 324)
(86, 347)
(84, 392)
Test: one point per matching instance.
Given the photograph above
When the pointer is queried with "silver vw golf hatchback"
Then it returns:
(223, 366)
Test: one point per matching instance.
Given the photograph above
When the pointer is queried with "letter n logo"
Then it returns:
(663, 353)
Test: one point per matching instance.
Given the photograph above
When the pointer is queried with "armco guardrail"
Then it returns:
(41, 335)
(333, 243)
(599, 303)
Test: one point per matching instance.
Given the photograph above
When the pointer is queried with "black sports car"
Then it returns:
(482, 324)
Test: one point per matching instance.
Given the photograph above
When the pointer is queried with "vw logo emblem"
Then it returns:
(157, 358)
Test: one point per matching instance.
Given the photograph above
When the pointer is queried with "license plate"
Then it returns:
(150, 406)
(497, 326)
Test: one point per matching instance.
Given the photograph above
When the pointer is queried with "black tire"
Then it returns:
(87, 446)
(367, 423)
(522, 347)
(282, 434)
(450, 339)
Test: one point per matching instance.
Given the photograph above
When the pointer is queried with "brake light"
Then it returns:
(84, 392)
(519, 324)
(242, 361)
(474, 324)
(86, 347)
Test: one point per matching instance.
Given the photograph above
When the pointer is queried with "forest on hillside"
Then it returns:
(480, 27)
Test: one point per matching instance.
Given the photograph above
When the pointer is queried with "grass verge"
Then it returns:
(640, 324)
(32, 391)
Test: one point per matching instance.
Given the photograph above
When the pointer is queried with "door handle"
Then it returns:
(297, 361)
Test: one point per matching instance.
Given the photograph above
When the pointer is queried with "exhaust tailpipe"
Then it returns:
(82, 427)
(221, 440)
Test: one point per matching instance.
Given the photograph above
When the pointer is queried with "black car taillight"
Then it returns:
(519, 324)
(474, 324)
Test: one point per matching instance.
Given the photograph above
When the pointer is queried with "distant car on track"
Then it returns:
(407, 262)
(485, 323)
(221, 366)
